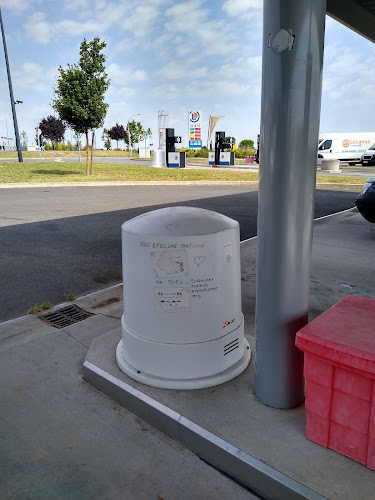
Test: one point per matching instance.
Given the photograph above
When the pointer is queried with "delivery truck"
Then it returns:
(346, 147)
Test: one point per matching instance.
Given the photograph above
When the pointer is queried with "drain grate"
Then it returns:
(66, 316)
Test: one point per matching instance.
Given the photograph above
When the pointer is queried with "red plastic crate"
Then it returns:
(339, 369)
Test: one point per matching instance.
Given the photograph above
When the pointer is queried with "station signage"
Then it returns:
(195, 129)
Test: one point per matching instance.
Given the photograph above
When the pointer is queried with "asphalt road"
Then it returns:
(62, 240)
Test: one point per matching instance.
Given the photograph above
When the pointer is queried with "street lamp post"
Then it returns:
(127, 125)
(38, 132)
(20, 158)
(6, 126)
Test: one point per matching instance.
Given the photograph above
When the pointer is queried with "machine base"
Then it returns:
(196, 383)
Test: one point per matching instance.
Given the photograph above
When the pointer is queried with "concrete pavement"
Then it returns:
(61, 438)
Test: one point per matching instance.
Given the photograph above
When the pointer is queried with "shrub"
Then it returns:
(241, 153)
(194, 153)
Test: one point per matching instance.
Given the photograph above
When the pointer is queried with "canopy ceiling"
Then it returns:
(358, 15)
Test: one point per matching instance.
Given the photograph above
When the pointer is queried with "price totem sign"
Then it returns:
(195, 129)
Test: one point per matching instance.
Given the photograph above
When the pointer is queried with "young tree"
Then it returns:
(246, 144)
(24, 140)
(149, 132)
(53, 129)
(135, 129)
(106, 139)
(79, 95)
(117, 133)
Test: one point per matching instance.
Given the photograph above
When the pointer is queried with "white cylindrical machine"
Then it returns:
(158, 158)
(182, 326)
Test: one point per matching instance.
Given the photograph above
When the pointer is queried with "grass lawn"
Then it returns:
(97, 153)
(74, 172)
(64, 154)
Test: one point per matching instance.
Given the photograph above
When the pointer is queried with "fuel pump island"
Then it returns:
(220, 156)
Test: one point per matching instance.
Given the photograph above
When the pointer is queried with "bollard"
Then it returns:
(331, 165)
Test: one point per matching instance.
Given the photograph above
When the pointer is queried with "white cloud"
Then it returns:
(33, 76)
(241, 77)
(177, 70)
(103, 16)
(16, 6)
(75, 4)
(141, 20)
(125, 74)
(243, 8)
(341, 62)
(192, 31)
(37, 27)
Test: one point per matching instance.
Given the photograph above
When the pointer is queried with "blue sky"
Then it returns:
(175, 56)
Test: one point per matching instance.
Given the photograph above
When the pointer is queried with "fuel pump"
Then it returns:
(174, 159)
(221, 157)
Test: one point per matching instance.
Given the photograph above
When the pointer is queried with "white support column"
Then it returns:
(291, 93)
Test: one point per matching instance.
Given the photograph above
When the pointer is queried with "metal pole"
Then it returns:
(130, 152)
(293, 40)
(130, 147)
(6, 125)
(208, 131)
(37, 133)
(20, 158)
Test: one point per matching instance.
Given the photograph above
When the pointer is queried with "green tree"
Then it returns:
(149, 132)
(246, 144)
(106, 139)
(24, 140)
(135, 129)
(80, 90)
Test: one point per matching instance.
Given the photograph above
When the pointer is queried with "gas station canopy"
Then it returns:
(358, 15)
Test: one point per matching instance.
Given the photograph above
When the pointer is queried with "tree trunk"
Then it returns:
(87, 154)
(92, 150)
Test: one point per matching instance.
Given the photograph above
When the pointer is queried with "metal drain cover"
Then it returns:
(66, 316)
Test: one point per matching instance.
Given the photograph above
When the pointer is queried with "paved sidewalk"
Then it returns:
(61, 438)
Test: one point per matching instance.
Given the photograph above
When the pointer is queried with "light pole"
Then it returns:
(6, 126)
(20, 158)
(38, 132)
(127, 125)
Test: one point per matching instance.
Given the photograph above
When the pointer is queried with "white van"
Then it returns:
(344, 147)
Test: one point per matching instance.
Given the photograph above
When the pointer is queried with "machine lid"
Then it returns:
(179, 221)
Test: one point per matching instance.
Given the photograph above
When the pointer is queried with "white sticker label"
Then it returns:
(172, 299)
(170, 263)
(228, 252)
